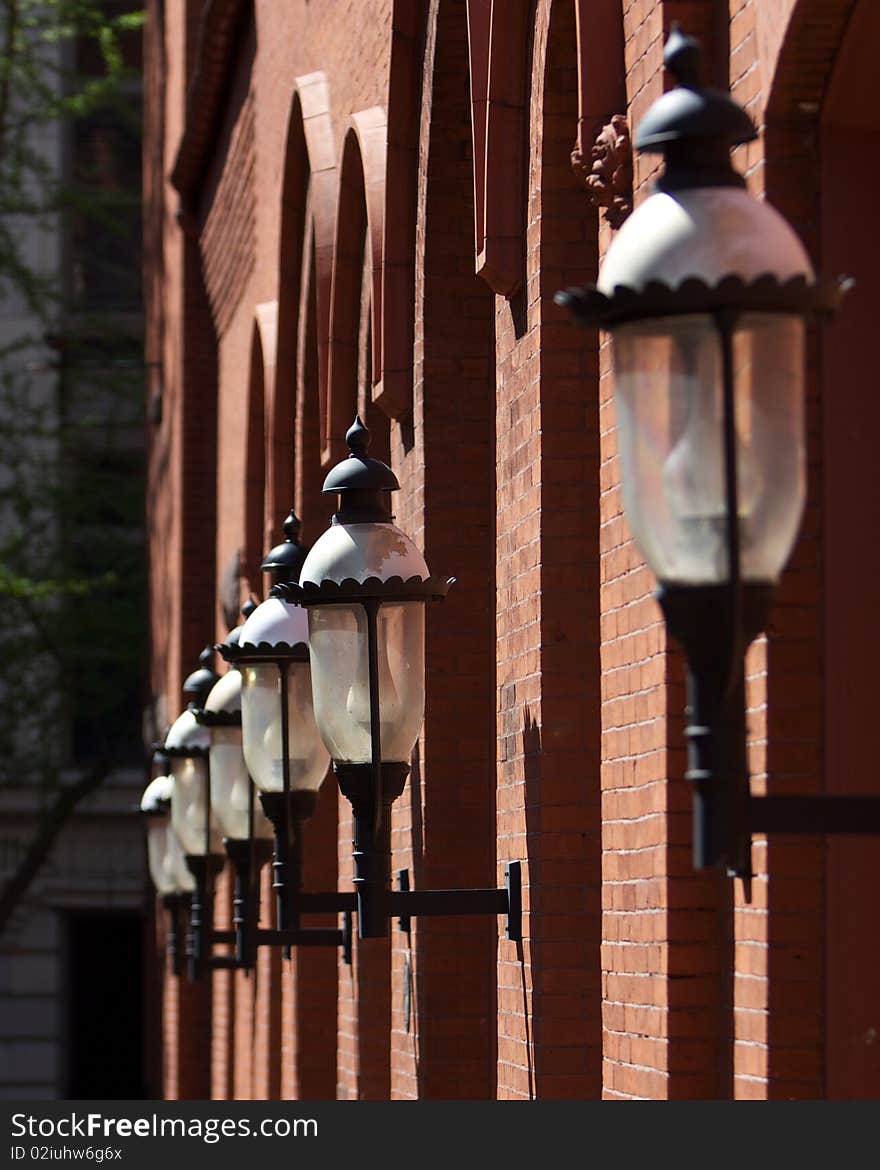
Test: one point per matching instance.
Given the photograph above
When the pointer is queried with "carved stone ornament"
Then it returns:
(609, 177)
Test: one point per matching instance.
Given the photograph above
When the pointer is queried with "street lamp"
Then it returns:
(187, 745)
(168, 870)
(282, 749)
(364, 585)
(706, 292)
(246, 832)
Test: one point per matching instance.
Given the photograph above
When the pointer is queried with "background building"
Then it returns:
(368, 207)
(72, 566)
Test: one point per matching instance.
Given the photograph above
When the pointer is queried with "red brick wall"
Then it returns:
(555, 705)
(223, 1001)
(268, 1035)
(564, 804)
(848, 130)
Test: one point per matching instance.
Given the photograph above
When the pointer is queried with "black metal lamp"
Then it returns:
(364, 585)
(282, 749)
(247, 834)
(198, 684)
(706, 292)
(187, 746)
(171, 878)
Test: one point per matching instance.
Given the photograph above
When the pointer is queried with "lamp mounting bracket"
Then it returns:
(405, 903)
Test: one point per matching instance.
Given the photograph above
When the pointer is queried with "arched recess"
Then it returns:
(392, 387)
(452, 1045)
(849, 144)
(357, 256)
(266, 317)
(364, 996)
(821, 125)
(565, 926)
(307, 993)
(601, 67)
(308, 223)
(311, 506)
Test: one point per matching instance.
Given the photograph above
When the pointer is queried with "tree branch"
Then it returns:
(52, 822)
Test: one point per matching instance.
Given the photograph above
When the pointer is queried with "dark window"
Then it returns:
(104, 1009)
(103, 192)
(105, 220)
(101, 513)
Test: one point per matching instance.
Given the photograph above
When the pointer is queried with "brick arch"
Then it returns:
(498, 41)
(849, 506)
(311, 506)
(303, 992)
(817, 147)
(360, 221)
(308, 222)
(363, 994)
(574, 82)
(451, 513)
(806, 58)
(392, 384)
(601, 79)
(254, 465)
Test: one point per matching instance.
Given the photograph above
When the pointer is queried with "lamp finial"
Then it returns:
(284, 561)
(361, 481)
(358, 438)
(199, 683)
(681, 56)
(292, 526)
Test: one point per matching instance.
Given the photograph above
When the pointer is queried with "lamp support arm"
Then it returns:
(814, 814)
(371, 855)
(312, 936)
(406, 903)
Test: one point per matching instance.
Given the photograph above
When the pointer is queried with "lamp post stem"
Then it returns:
(282, 823)
(732, 711)
(279, 871)
(371, 853)
(207, 804)
(201, 910)
(737, 844)
(172, 904)
(717, 766)
(372, 610)
(243, 897)
(725, 321)
(201, 920)
(248, 856)
(295, 869)
(718, 770)
(372, 868)
(199, 916)
(241, 906)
